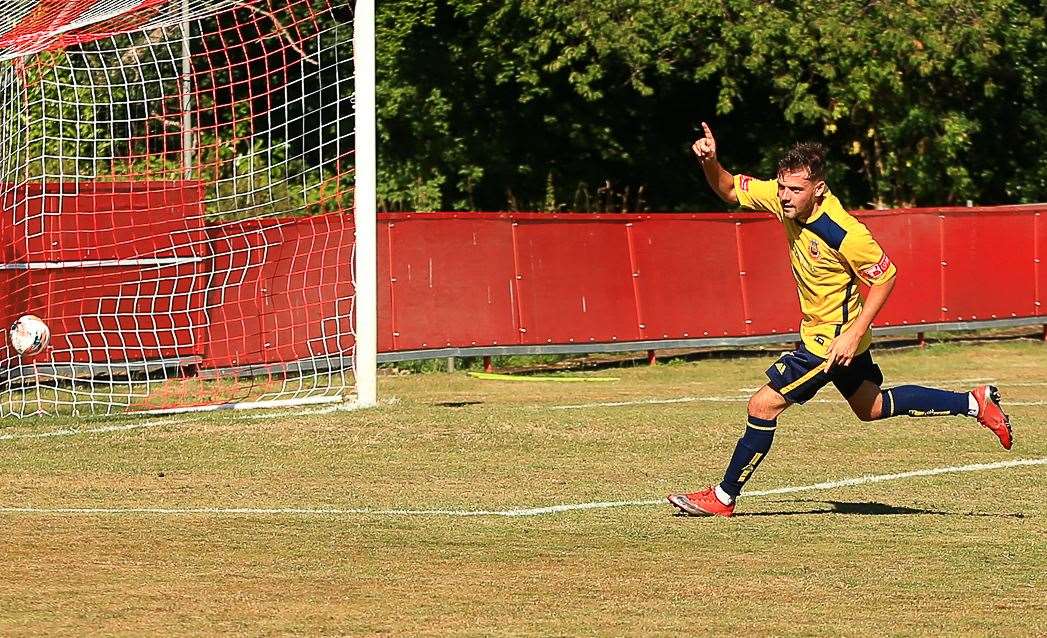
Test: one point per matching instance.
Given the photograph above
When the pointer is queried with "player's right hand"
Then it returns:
(705, 147)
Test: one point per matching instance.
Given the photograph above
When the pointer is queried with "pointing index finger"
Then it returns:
(708, 131)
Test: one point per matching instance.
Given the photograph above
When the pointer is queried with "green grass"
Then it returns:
(952, 554)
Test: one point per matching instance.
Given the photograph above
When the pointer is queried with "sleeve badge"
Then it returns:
(877, 270)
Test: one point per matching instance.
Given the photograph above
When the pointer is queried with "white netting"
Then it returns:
(176, 181)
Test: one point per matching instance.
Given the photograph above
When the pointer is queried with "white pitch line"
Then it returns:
(161, 422)
(511, 513)
(75, 431)
(280, 415)
(880, 478)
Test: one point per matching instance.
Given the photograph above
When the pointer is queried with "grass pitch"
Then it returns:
(951, 554)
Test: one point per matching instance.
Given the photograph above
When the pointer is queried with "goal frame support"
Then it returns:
(365, 203)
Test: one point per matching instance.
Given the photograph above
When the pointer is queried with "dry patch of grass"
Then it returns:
(955, 554)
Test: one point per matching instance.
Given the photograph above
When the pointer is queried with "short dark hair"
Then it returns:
(809, 155)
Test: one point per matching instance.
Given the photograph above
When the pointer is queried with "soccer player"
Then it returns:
(830, 252)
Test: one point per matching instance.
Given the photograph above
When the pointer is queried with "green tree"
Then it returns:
(920, 92)
(491, 105)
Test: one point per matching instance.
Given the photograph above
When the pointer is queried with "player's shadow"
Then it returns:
(868, 508)
(457, 404)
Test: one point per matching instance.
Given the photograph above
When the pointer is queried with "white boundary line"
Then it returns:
(509, 513)
(244, 405)
(160, 422)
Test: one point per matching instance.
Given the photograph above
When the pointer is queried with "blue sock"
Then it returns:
(750, 451)
(914, 400)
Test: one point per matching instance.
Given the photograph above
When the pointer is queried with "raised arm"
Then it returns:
(719, 179)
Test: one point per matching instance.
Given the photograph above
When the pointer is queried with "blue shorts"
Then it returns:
(798, 375)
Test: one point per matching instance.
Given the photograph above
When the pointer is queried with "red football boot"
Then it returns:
(991, 415)
(702, 503)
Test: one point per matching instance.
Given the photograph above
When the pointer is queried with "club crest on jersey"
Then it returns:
(814, 250)
(743, 183)
(878, 269)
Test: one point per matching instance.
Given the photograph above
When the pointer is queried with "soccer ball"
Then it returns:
(29, 335)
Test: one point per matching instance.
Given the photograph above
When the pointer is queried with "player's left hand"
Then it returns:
(842, 349)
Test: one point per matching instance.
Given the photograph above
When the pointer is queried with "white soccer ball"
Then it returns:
(29, 335)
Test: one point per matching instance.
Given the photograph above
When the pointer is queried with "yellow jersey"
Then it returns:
(830, 252)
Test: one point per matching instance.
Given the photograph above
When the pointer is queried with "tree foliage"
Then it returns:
(112, 108)
(543, 104)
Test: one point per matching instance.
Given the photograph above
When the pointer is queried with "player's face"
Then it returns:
(798, 194)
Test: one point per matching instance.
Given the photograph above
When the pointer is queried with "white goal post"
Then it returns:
(366, 207)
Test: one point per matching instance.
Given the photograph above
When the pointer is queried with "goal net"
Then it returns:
(177, 183)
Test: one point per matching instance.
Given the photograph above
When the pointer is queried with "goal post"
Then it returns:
(187, 199)
(366, 257)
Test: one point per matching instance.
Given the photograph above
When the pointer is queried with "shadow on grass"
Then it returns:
(456, 404)
(872, 509)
